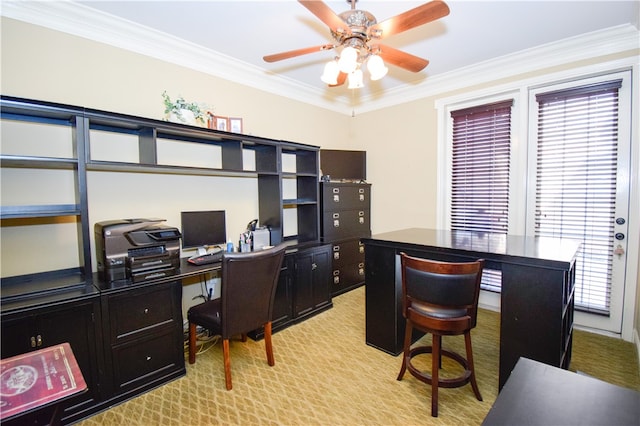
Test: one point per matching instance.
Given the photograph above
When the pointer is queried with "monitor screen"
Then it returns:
(343, 164)
(201, 229)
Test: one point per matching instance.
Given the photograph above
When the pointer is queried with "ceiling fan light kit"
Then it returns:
(355, 80)
(330, 73)
(354, 30)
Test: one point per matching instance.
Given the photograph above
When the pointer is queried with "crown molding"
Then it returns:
(79, 20)
(608, 41)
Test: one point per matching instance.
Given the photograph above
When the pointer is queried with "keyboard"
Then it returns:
(206, 259)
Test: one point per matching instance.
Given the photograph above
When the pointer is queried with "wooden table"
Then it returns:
(536, 301)
(538, 394)
(39, 379)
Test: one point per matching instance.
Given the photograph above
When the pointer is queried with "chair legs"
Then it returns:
(225, 350)
(435, 371)
(408, 330)
(227, 363)
(267, 344)
(192, 343)
(472, 378)
(437, 352)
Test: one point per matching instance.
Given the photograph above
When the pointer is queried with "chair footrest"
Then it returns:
(454, 382)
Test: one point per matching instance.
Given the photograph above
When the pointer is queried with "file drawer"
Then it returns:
(346, 224)
(347, 252)
(347, 277)
(345, 197)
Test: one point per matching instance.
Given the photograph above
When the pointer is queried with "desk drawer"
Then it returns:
(140, 311)
(140, 362)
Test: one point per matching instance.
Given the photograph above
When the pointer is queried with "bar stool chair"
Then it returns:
(442, 299)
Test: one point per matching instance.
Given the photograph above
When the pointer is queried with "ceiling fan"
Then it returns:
(358, 33)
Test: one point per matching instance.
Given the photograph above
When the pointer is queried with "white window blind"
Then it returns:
(576, 181)
(481, 155)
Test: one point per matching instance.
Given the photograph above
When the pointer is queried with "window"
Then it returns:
(480, 165)
(576, 168)
(558, 165)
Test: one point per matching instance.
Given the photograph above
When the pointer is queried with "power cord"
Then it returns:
(204, 341)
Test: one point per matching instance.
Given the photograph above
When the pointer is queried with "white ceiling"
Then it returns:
(245, 31)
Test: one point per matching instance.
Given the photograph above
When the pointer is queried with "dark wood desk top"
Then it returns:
(539, 394)
(38, 379)
(549, 252)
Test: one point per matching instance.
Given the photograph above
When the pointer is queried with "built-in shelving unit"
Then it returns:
(48, 151)
(104, 141)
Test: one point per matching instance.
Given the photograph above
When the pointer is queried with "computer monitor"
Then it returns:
(202, 229)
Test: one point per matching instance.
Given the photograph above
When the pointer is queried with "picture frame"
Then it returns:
(221, 123)
(235, 124)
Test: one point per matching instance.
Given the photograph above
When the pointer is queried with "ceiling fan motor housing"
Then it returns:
(358, 22)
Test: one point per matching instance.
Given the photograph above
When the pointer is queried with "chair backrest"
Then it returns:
(249, 282)
(441, 285)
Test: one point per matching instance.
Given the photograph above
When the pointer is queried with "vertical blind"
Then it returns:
(576, 181)
(481, 149)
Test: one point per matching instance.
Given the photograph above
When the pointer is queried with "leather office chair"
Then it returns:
(248, 288)
(442, 299)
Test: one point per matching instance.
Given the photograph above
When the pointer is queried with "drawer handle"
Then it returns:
(148, 358)
(146, 310)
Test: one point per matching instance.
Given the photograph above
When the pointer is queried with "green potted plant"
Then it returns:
(181, 111)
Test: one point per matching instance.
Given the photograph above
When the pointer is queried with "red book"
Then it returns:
(38, 378)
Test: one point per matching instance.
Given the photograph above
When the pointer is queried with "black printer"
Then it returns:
(136, 249)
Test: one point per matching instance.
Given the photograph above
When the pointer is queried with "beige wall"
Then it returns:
(401, 141)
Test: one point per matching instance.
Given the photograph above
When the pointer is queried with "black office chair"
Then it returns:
(442, 299)
(248, 289)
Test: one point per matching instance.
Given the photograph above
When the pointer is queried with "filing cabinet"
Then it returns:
(143, 339)
(346, 217)
(347, 258)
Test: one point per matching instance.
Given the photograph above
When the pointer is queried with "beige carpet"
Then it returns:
(325, 374)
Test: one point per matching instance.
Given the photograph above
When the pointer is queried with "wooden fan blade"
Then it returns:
(298, 52)
(401, 59)
(411, 18)
(342, 77)
(326, 15)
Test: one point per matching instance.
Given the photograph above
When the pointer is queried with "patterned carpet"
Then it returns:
(325, 374)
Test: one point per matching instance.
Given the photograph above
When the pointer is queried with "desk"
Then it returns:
(538, 394)
(538, 276)
(39, 379)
